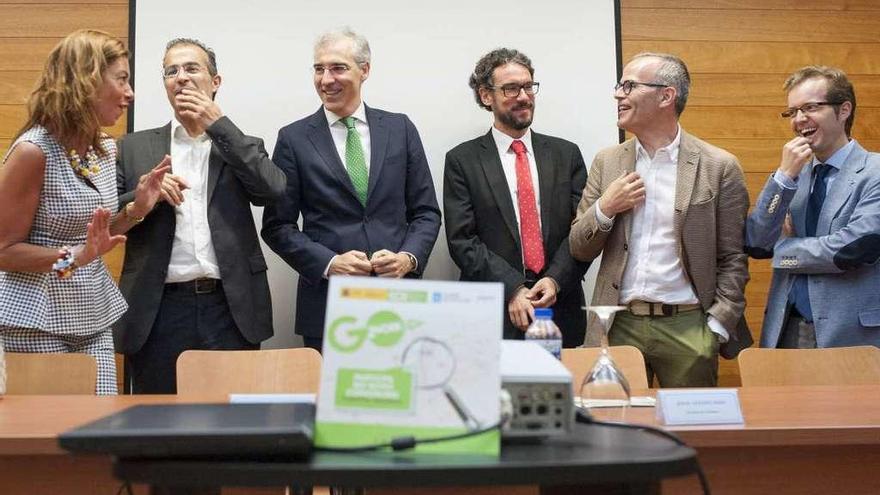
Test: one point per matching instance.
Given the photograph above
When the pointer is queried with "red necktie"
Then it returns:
(530, 230)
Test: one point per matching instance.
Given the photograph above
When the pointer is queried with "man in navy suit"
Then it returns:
(360, 180)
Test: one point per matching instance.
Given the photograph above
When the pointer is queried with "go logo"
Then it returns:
(383, 329)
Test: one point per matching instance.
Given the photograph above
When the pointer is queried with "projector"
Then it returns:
(539, 389)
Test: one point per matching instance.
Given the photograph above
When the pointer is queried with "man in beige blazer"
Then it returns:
(666, 211)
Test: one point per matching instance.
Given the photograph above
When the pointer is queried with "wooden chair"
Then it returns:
(829, 366)
(629, 360)
(250, 372)
(255, 372)
(50, 373)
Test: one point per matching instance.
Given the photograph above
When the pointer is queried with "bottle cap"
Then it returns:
(544, 313)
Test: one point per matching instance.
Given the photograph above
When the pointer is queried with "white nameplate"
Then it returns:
(272, 398)
(715, 406)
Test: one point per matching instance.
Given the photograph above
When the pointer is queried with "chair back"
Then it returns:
(829, 366)
(263, 371)
(628, 359)
(50, 373)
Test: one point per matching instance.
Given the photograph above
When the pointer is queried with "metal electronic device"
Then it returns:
(539, 389)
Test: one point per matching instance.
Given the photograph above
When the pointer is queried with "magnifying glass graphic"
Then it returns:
(434, 364)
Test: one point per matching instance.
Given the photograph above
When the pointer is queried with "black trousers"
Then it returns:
(187, 319)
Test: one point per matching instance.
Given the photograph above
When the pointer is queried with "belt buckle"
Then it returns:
(205, 285)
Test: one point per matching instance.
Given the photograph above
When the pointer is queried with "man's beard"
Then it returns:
(509, 120)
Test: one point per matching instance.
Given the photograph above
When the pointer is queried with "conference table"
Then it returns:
(798, 440)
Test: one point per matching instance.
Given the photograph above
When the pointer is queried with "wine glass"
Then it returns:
(605, 385)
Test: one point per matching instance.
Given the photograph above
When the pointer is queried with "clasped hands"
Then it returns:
(521, 307)
(383, 263)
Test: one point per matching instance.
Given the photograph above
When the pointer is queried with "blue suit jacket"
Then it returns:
(841, 261)
(401, 212)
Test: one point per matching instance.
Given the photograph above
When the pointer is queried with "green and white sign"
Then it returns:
(411, 358)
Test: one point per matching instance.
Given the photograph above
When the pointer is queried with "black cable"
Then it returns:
(585, 417)
(409, 442)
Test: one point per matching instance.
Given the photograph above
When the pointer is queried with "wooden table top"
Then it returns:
(777, 416)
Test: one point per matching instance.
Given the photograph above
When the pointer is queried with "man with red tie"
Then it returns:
(509, 198)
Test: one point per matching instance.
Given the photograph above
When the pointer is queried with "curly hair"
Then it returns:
(64, 98)
(482, 75)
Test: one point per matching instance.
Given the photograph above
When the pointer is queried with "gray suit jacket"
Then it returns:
(711, 202)
(841, 261)
(239, 174)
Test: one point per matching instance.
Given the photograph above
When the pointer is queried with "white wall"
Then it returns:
(423, 54)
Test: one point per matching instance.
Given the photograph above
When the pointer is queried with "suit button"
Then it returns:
(614, 286)
(625, 246)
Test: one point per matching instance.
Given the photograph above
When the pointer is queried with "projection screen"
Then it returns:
(422, 55)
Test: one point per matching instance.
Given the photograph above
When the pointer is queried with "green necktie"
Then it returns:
(355, 161)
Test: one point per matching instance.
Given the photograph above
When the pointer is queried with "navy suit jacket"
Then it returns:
(401, 212)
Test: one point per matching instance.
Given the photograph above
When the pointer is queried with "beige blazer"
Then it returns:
(711, 202)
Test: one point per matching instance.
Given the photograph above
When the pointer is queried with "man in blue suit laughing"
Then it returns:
(360, 180)
(818, 217)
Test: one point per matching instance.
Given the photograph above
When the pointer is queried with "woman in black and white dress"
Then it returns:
(57, 203)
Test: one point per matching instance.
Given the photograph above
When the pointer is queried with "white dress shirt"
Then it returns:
(508, 164)
(192, 253)
(654, 270)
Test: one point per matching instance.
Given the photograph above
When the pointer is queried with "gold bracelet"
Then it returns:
(128, 216)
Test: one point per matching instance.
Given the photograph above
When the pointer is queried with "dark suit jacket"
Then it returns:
(239, 174)
(401, 212)
(483, 232)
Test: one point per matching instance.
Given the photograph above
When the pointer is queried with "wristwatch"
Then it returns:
(412, 261)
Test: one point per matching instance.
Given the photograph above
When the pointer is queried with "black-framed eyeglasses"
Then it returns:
(513, 90)
(190, 69)
(628, 85)
(807, 108)
(333, 69)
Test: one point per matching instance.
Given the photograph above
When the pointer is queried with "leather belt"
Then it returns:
(643, 308)
(197, 286)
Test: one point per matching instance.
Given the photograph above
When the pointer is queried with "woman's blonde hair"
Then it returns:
(64, 98)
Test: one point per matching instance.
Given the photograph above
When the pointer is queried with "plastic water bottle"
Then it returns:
(545, 333)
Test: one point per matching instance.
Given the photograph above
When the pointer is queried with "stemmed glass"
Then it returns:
(605, 385)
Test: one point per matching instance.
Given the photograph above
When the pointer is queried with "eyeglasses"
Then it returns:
(334, 70)
(807, 108)
(628, 86)
(190, 69)
(512, 90)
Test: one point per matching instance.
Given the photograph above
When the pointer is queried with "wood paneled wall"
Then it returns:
(739, 53)
(29, 29)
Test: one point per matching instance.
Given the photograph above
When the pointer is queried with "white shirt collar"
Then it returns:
(670, 149)
(179, 132)
(359, 114)
(503, 141)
